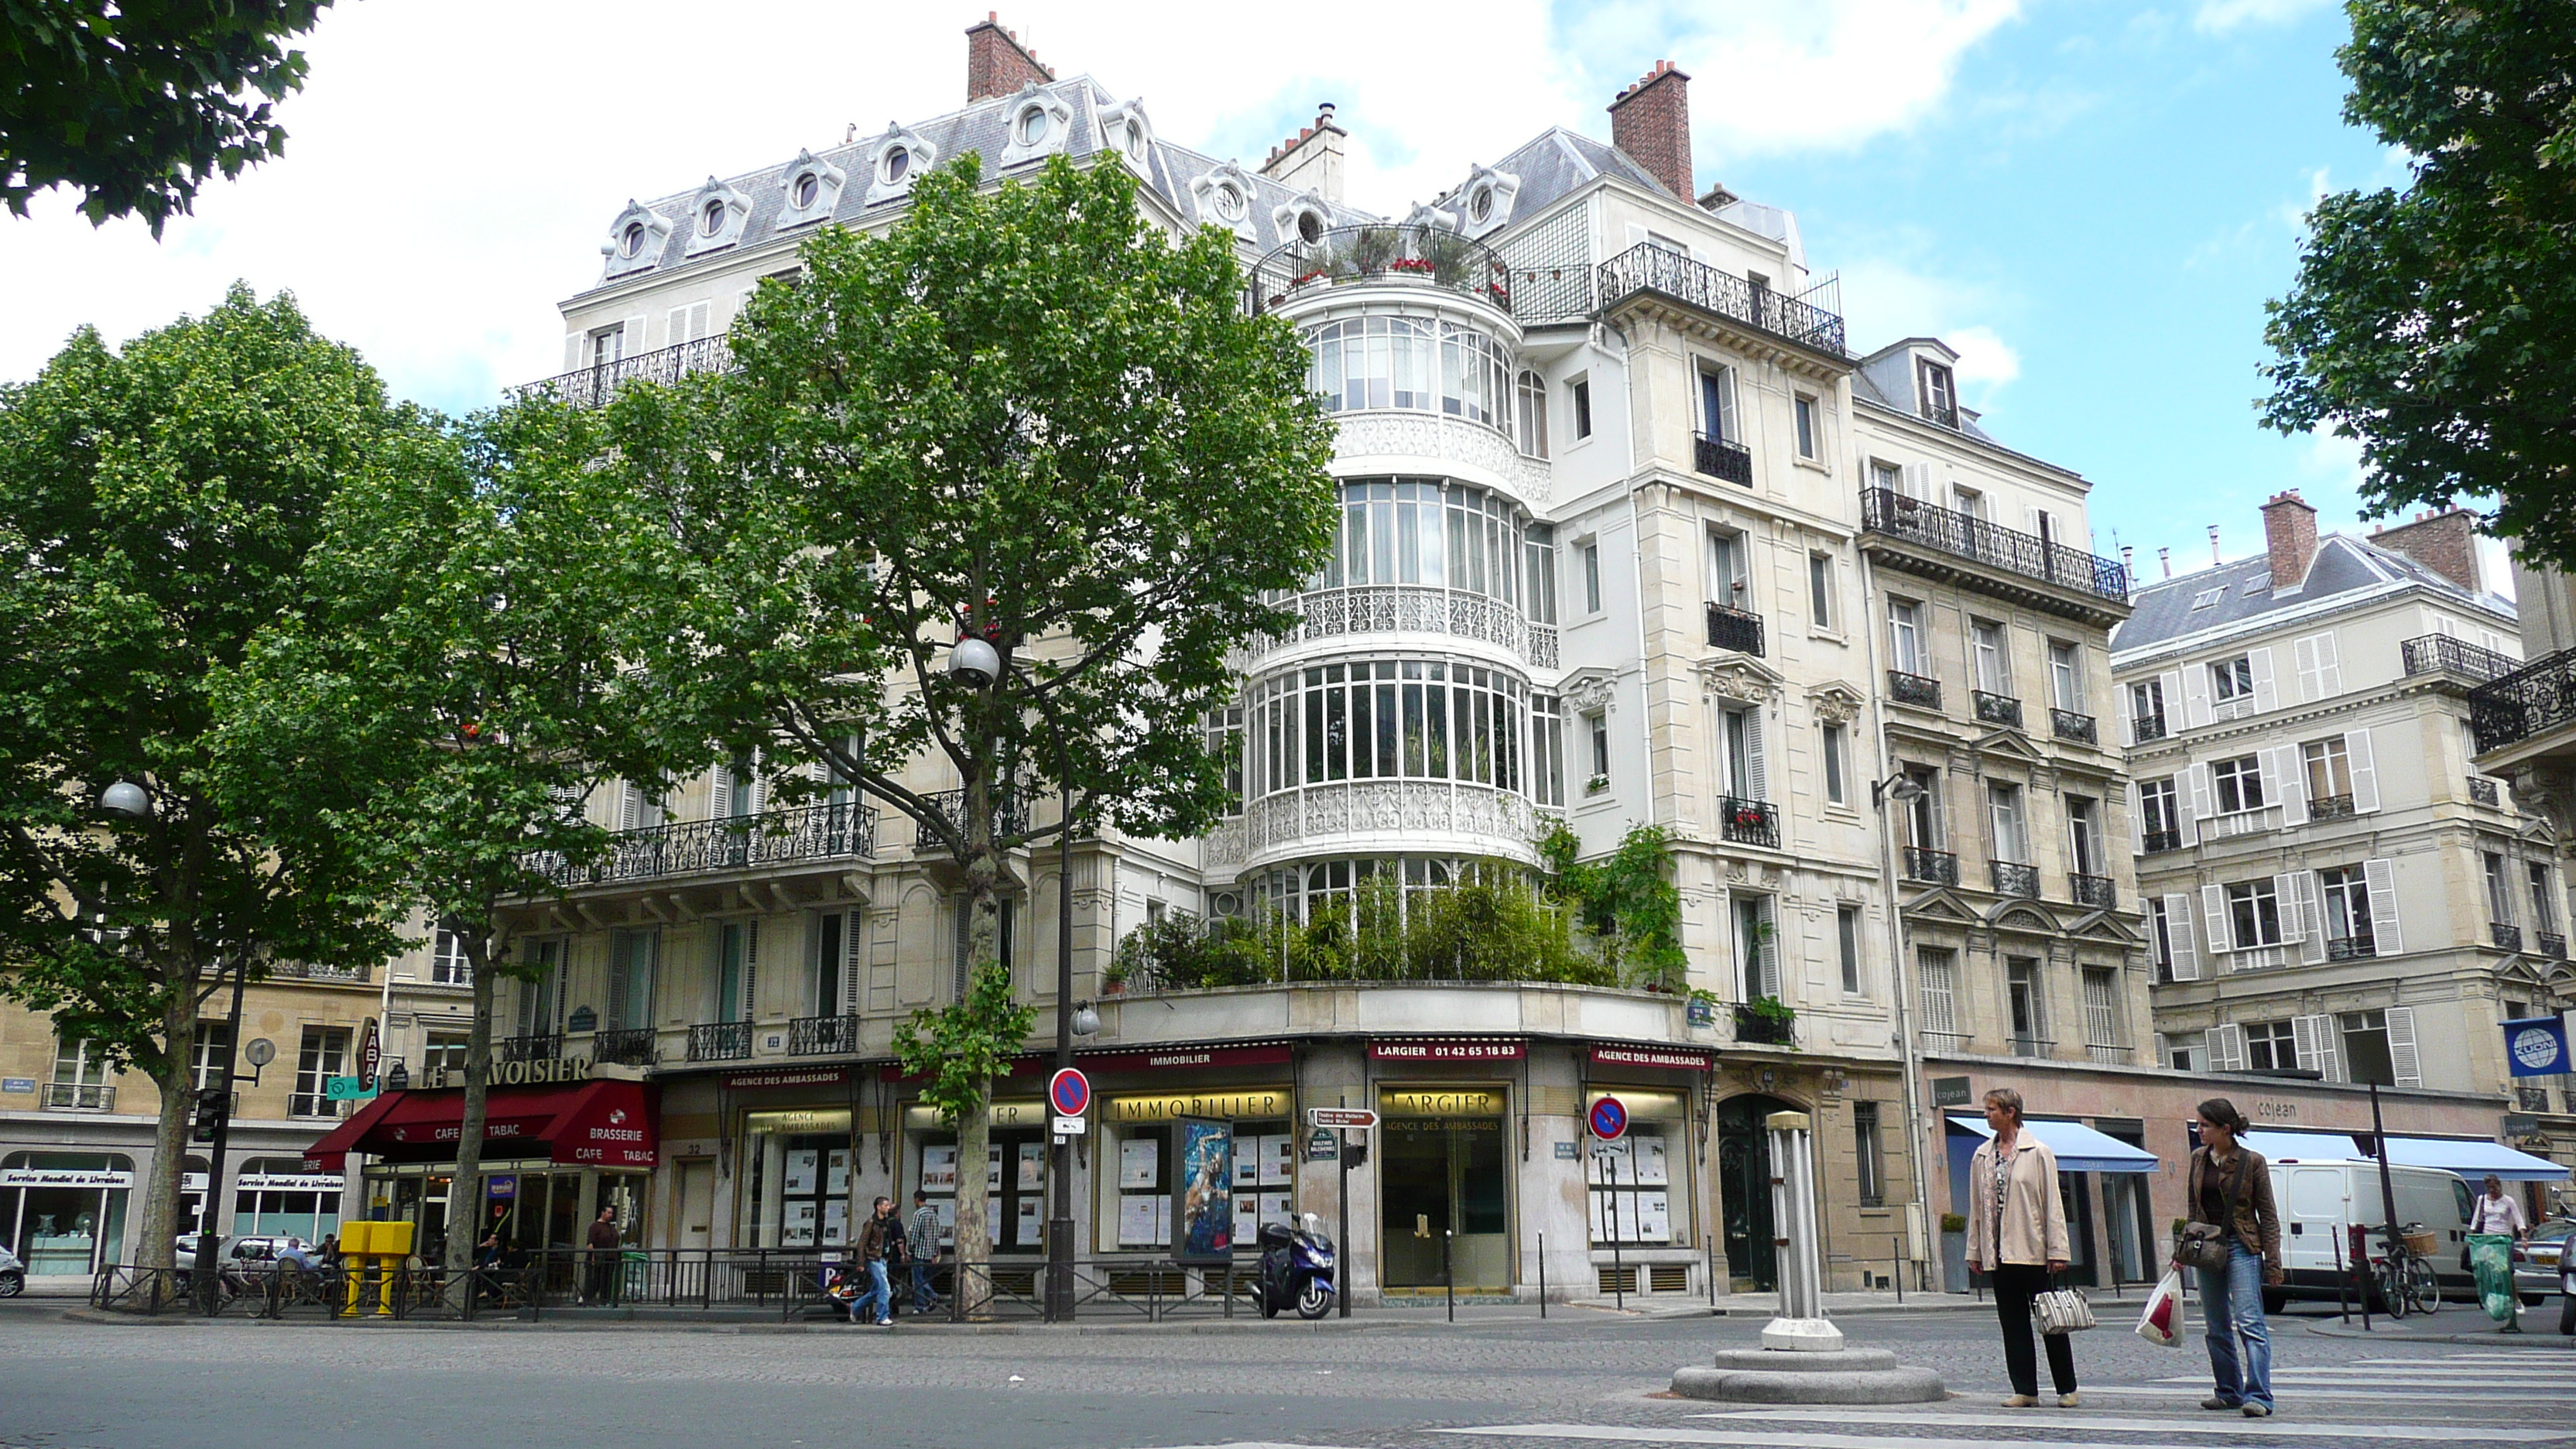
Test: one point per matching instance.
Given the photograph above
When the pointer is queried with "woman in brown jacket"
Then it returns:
(2231, 1187)
(2017, 1238)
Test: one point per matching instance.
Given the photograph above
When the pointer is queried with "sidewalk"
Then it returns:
(2456, 1323)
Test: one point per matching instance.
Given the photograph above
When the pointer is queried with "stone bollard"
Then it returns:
(1803, 1359)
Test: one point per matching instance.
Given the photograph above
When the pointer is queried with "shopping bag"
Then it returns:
(2492, 1256)
(2161, 1324)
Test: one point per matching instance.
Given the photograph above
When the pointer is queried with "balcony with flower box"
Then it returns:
(1749, 822)
(1943, 544)
(1921, 691)
(1397, 253)
(1736, 629)
(2080, 729)
(2000, 710)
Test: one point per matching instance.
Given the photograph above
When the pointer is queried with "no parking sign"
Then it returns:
(1609, 1119)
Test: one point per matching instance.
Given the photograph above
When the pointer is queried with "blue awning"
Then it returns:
(2466, 1157)
(2079, 1148)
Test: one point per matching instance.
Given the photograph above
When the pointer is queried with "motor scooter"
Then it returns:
(1296, 1270)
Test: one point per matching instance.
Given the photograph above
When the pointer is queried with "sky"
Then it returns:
(2090, 200)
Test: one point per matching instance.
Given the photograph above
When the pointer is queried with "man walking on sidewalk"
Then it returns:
(605, 1253)
(876, 1241)
(925, 1251)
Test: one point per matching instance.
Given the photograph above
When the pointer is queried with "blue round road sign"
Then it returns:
(1609, 1119)
(1069, 1091)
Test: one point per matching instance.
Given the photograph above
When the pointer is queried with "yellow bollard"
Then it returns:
(376, 1246)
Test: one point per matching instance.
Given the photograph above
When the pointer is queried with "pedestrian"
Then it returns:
(2497, 1213)
(605, 1253)
(2230, 1187)
(2017, 1238)
(924, 1239)
(878, 1238)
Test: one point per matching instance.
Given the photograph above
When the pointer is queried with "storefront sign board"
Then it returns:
(789, 1077)
(798, 1120)
(1185, 1057)
(62, 1177)
(1663, 1058)
(1171, 1106)
(1447, 1049)
(1441, 1102)
(1949, 1091)
(1028, 1112)
(516, 1074)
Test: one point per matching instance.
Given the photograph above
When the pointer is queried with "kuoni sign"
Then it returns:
(2537, 1045)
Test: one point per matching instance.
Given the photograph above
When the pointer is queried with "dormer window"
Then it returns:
(1228, 201)
(898, 161)
(807, 188)
(1033, 124)
(711, 217)
(1481, 205)
(1938, 394)
(1310, 227)
(631, 241)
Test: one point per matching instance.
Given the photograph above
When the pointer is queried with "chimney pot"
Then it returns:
(2445, 542)
(997, 63)
(2290, 536)
(1650, 121)
(2165, 556)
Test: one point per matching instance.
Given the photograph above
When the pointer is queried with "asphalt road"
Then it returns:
(1404, 1380)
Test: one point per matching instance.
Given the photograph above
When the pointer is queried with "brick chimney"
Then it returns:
(996, 63)
(1651, 122)
(2290, 530)
(1311, 160)
(2445, 542)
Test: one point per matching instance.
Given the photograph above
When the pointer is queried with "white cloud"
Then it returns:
(2220, 17)
(1984, 358)
(1885, 299)
(452, 166)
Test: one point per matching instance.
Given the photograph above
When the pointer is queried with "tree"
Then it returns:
(1022, 414)
(138, 104)
(158, 506)
(464, 650)
(2432, 323)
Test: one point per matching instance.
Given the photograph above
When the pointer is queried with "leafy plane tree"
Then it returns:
(2432, 323)
(138, 103)
(1026, 416)
(159, 505)
(463, 655)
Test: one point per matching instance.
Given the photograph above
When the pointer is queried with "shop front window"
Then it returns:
(1640, 1183)
(1444, 1174)
(63, 1213)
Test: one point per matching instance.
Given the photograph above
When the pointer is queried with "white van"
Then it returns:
(2319, 1201)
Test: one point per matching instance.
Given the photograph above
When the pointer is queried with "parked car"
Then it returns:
(13, 1275)
(2321, 1200)
(2537, 1259)
(247, 1259)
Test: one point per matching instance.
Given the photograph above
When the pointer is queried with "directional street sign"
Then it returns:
(1360, 1118)
(1069, 1091)
(1609, 1119)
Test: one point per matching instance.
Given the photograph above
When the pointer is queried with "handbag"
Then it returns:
(2204, 1245)
(2062, 1310)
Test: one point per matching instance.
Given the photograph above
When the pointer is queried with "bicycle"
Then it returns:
(2405, 1278)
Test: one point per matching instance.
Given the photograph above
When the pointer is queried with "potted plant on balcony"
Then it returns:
(1447, 256)
(1373, 248)
(1766, 1020)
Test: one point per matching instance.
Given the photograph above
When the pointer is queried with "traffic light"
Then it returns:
(211, 1102)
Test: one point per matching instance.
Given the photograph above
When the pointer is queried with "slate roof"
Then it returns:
(982, 128)
(2344, 565)
(1866, 387)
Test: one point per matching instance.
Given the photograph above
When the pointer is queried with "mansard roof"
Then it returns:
(2247, 592)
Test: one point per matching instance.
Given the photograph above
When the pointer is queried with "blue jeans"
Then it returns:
(2231, 1299)
(923, 1299)
(879, 1292)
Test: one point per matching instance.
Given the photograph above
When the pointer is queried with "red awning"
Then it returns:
(607, 1124)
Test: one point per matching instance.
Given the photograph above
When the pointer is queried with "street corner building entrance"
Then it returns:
(1445, 1174)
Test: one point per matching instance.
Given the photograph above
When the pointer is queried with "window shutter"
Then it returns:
(2213, 905)
(616, 989)
(2164, 1051)
(2120, 713)
(2201, 806)
(1756, 778)
(2186, 817)
(2313, 1036)
(2402, 1056)
(677, 330)
(2287, 783)
(573, 360)
(630, 337)
(1727, 426)
(853, 959)
(2226, 1048)
(1770, 953)
(750, 967)
(2169, 685)
(2380, 878)
(1917, 481)
(2312, 908)
(2303, 657)
(2267, 695)
(2329, 666)
(2137, 822)
(2285, 889)
(2365, 773)
(2195, 695)
(630, 808)
(719, 792)
(2186, 950)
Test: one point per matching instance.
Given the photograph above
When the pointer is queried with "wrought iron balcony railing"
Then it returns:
(2031, 1046)
(2012, 878)
(1736, 629)
(2066, 724)
(79, 1097)
(1647, 267)
(737, 842)
(2532, 700)
(593, 386)
(2442, 654)
(2331, 807)
(2550, 944)
(2146, 727)
(1748, 822)
(1914, 689)
(2351, 948)
(1995, 709)
(2484, 791)
(1010, 815)
(1945, 1041)
(541, 1047)
(1432, 256)
(2097, 891)
(1755, 1027)
(719, 1041)
(815, 1035)
(2159, 840)
(2532, 1099)
(1884, 510)
(2106, 1053)
(1946, 414)
(2507, 938)
(626, 1046)
(1938, 867)
(1728, 462)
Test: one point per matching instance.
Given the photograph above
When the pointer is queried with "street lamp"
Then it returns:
(127, 799)
(1903, 789)
(1086, 1020)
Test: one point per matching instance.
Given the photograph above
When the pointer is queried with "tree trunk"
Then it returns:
(465, 1226)
(170, 1132)
(975, 1127)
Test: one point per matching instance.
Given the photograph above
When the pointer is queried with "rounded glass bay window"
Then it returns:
(1421, 364)
(1426, 556)
(1442, 720)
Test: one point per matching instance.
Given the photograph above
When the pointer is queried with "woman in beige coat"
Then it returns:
(2017, 1238)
